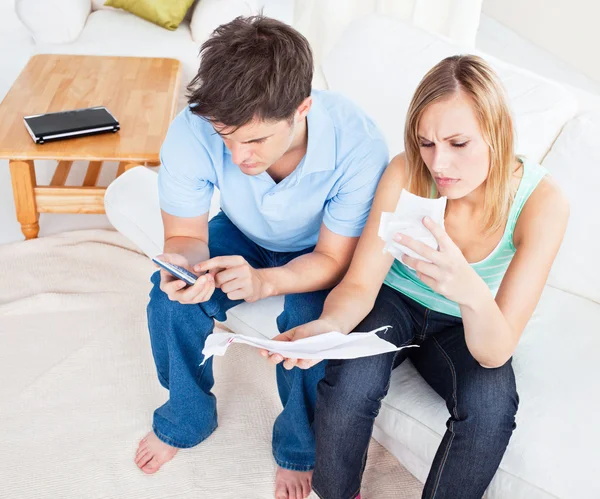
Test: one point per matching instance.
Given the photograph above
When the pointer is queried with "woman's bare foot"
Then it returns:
(152, 453)
(292, 484)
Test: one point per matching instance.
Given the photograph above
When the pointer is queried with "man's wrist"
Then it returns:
(268, 287)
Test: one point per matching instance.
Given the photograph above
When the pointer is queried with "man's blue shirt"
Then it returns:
(334, 183)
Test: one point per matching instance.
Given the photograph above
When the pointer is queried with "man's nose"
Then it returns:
(239, 153)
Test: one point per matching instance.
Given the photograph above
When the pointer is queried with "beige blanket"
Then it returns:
(78, 387)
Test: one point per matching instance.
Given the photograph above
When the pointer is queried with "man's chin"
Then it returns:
(252, 170)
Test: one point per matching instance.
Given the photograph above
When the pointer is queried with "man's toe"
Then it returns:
(151, 467)
(305, 489)
(281, 493)
(142, 458)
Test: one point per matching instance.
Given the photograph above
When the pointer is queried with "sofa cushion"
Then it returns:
(165, 13)
(53, 21)
(379, 62)
(574, 162)
(99, 5)
(553, 452)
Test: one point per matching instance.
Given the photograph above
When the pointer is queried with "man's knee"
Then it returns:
(165, 315)
(301, 308)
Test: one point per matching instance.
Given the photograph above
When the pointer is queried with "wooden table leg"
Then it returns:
(24, 183)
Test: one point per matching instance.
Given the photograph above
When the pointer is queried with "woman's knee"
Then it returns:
(490, 401)
(353, 388)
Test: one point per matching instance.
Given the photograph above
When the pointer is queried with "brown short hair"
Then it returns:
(251, 67)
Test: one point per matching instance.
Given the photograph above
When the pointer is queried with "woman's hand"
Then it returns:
(449, 273)
(313, 328)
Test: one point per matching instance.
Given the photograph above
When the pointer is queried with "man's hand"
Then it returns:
(313, 328)
(176, 289)
(236, 278)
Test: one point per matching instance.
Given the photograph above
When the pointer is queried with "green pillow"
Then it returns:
(165, 13)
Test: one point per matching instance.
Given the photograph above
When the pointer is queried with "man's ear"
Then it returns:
(303, 108)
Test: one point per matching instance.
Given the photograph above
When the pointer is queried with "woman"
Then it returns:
(466, 307)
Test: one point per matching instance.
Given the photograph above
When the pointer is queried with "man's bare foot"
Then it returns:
(152, 453)
(292, 484)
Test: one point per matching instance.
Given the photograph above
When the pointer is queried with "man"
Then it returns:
(297, 171)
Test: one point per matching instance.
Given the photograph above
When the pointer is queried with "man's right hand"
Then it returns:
(176, 289)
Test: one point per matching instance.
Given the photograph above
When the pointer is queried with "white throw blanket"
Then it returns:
(79, 387)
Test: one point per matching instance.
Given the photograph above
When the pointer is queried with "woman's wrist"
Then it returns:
(479, 293)
(334, 323)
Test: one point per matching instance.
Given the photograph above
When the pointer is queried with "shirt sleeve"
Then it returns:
(347, 211)
(186, 176)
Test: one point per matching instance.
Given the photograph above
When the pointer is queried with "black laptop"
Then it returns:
(70, 124)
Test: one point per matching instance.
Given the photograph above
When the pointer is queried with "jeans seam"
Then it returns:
(283, 375)
(455, 410)
(162, 379)
(387, 387)
(423, 332)
(316, 491)
(321, 496)
(453, 371)
(202, 366)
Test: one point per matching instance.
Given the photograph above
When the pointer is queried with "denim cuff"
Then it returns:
(176, 443)
(293, 466)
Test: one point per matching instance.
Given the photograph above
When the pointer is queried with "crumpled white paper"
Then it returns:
(332, 345)
(408, 219)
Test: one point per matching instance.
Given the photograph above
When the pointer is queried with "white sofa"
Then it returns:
(88, 27)
(378, 62)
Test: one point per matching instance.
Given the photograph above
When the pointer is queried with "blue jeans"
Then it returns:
(178, 333)
(482, 403)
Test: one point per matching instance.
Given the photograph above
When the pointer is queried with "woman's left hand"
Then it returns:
(449, 273)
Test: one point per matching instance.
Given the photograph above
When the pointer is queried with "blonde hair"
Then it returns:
(473, 76)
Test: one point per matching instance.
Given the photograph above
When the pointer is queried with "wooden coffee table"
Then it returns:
(140, 92)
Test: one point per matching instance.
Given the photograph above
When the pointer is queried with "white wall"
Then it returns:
(570, 29)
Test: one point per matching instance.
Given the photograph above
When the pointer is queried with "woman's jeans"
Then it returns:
(178, 333)
(482, 403)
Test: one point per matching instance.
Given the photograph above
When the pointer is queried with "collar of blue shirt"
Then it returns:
(321, 147)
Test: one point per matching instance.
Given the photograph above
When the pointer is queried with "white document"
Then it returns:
(332, 345)
(408, 219)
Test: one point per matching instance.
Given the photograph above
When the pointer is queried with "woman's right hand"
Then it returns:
(176, 289)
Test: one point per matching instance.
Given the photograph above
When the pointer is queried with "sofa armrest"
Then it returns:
(53, 21)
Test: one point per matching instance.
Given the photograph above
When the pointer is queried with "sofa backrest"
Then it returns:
(574, 162)
(378, 62)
